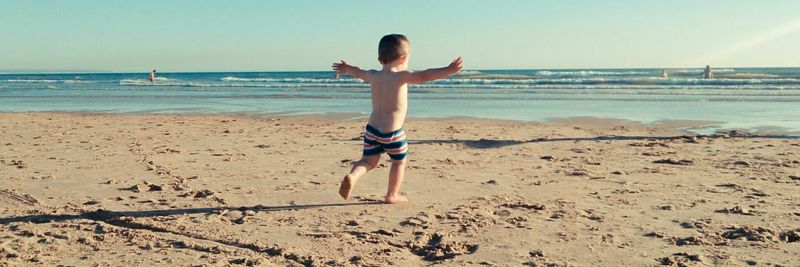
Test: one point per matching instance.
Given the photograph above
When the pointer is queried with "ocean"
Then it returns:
(754, 99)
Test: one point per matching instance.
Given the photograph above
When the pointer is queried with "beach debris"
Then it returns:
(160, 170)
(356, 259)
(579, 172)
(794, 177)
(654, 234)
(14, 196)
(558, 214)
(502, 213)
(144, 187)
(438, 247)
(235, 216)
(674, 162)
(699, 224)
(738, 210)
(491, 182)
(244, 261)
(757, 193)
(680, 259)
(204, 193)
(318, 234)
(657, 153)
(685, 241)
(180, 183)
(666, 207)
(16, 163)
(791, 236)
(693, 139)
(91, 202)
(548, 158)
(649, 144)
(594, 216)
(421, 220)
(757, 233)
(166, 150)
(742, 163)
(729, 185)
(10, 253)
(383, 232)
(524, 205)
(450, 161)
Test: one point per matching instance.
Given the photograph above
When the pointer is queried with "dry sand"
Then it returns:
(140, 190)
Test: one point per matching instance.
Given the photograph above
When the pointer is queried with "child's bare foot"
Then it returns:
(395, 199)
(346, 187)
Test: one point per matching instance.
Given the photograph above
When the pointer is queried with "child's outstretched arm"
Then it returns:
(351, 70)
(434, 74)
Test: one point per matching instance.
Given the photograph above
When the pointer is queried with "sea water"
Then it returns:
(737, 98)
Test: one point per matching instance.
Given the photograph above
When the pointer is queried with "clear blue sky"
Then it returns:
(232, 35)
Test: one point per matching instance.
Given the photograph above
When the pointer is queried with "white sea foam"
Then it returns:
(47, 81)
(468, 73)
(289, 80)
(464, 81)
(585, 82)
(696, 84)
(747, 75)
(702, 70)
(589, 73)
(79, 81)
(32, 81)
(156, 81)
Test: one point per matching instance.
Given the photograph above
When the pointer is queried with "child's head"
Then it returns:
(393, 49)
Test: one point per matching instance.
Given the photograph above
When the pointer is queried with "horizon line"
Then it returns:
(17, 72)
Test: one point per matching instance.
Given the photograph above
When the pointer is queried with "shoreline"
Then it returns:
(674, 126)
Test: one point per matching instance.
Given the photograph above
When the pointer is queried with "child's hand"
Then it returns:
(341, 67)
(455, 66)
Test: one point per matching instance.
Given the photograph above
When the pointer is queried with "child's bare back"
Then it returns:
(384, 131)
(389, 100)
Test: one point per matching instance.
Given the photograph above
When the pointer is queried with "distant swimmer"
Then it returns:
(153, 76)
(664, 73)
(707, 74)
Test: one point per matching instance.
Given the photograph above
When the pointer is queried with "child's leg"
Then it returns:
(396, 174)
(361, 167)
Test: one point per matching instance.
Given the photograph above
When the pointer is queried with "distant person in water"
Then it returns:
(664, 73)
(153, 76)
(707, 74)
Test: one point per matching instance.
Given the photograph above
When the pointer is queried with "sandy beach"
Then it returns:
(181, 190)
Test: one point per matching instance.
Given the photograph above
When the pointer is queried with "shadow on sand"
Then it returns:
(120, 219)
(107, 215)
(486, 143)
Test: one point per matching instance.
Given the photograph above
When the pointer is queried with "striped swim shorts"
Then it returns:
(394, 143)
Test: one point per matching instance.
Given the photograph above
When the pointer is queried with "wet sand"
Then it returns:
(168, 190)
